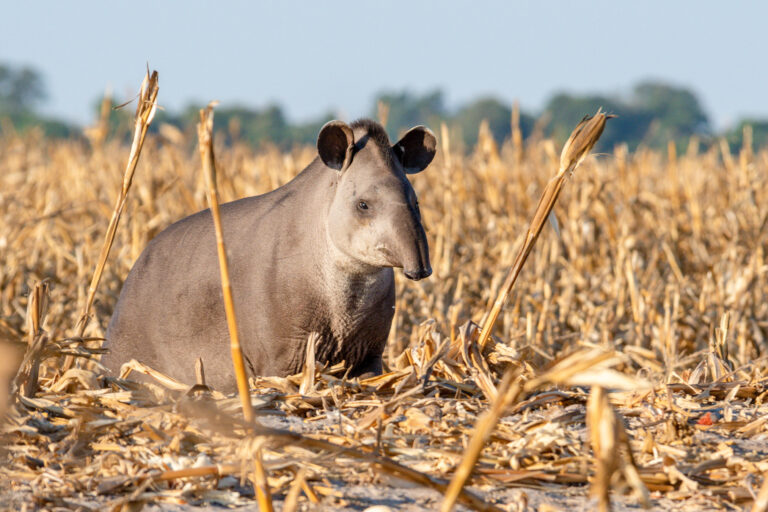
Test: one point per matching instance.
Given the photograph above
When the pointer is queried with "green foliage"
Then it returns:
(257, 126)
(498, 115)
(675, 113)
(407, 109)
(25, 121)
(21, 92)
(120, 120)
(566, 111)
(653, 114)
(306, 133)
(254, 126)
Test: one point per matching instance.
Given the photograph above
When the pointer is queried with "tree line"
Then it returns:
(650, 116)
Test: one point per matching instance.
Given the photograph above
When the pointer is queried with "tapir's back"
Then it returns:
(170, 310)
(161, 310)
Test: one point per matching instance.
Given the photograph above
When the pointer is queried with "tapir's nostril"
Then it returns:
(418, 274)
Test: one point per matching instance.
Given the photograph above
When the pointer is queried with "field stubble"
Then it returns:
(658, 275)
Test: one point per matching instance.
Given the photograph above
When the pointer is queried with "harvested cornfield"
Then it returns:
(630, 356)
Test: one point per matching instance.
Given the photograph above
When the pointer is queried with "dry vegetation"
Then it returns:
(654, 290)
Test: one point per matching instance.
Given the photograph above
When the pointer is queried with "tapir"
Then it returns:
(315, 255)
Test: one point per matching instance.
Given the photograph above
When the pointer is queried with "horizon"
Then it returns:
(523, 52)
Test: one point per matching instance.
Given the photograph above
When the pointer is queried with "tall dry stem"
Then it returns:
(576, 149)
(508, 392)
(260, 483)
(761, 501)
(517, 134)
(611, 451)
(97, 133)
(382, 108)
(205, 139)
(145, 112)
(26, 381)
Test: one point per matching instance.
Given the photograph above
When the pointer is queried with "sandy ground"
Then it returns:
(384, 498)
(383, 493)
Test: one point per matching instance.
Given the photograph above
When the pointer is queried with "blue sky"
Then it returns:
(315, 56)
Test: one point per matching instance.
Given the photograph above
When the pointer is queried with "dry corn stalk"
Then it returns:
(761, 502)
(602, 424)
(481, 373)
(509, 390)
(145, 112)
(589, 367)
(263, 494)
(291, 502)
(517, 134)
(612, 453)
(205, 139)
(28, 372)
(36, 309)
(97, 133)
(135, 366)
(217, 471)
(576, 149)
(308, 373)
(382, 108)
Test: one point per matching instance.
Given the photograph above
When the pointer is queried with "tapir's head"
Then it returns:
(374, 217)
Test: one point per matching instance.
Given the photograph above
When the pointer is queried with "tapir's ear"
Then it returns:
(416, 149)
(334, 145)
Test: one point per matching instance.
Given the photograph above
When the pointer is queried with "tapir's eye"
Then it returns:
(362, 205)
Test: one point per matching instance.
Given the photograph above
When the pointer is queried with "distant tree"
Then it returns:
(407, 109)
(21, 90)
(120, 120)
(676, 112)
(253, 126)
(257, 126)
(25, 121)
(566, 111)
(498, 115)
(306, 133)
(265, 125)
(654, 114)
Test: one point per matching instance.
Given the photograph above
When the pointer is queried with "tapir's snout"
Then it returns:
(415, 250)
(418, 274)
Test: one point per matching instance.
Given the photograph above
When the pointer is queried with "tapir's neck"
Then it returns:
(342, 278)
(356, 297)
(351, 302)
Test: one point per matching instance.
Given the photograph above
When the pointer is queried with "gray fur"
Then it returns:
(303, 258)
